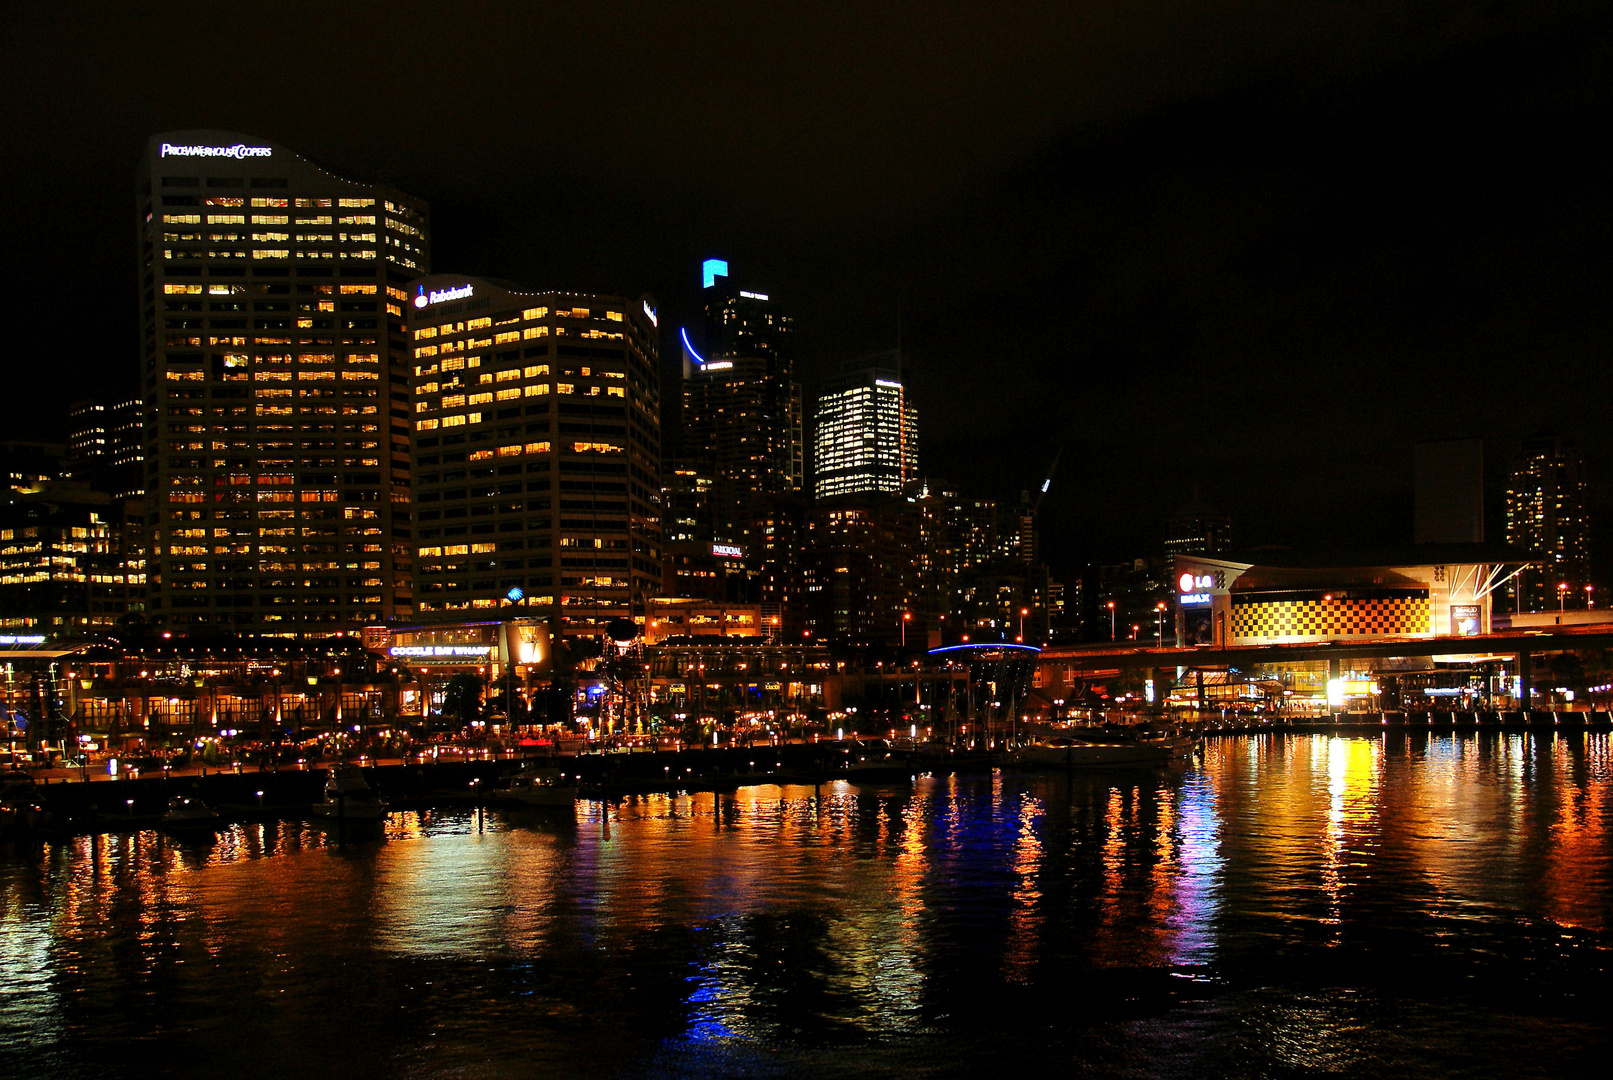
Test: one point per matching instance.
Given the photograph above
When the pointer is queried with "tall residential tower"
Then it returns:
(274, 378)
(1547, 516)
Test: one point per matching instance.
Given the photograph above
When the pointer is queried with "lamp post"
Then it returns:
(1159, 618)
(1589, 603)
(1022, 613)
(1111, 620)
(1134, 630)
(1562, 596)
(907, 617)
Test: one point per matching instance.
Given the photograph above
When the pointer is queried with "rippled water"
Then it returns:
(1289, 906)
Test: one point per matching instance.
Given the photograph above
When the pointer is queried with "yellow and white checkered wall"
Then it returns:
(1339, 618)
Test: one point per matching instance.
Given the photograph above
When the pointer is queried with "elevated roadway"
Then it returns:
(1516, 645)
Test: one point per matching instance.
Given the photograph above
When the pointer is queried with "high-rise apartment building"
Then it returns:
(274, 377)
(1196, 530)
(867, 431)
(860, 579)
(1547, 516)
(537, 448)
(105, 446)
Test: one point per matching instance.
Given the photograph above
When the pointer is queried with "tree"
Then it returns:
(462, 697)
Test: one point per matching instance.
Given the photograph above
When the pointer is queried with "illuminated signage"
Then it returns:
(649, 313)
(239, 150)
(711, 270)
(441, 652)
(727, 551)
(1193, 598)
(1191, 582)
(887, 382)
(438, 296)
(719, 365)
(22, 639)
(753, 295)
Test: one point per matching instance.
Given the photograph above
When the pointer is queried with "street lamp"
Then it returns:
(1134, 630)
(1562, 594)
(1022, 613)
(1111, 620)
(1159, 617)
(907, 617)
(1589, 603)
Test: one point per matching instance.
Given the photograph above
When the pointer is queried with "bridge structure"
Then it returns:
(1514, 647)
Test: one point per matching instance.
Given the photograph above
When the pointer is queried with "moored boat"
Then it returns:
(1072, 754)
(188, 816)
(349, 796)
(877, 769)
(533, 788)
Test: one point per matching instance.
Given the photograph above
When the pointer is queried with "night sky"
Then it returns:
(1253, 249)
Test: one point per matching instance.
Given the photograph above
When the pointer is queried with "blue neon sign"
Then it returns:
(711, 270)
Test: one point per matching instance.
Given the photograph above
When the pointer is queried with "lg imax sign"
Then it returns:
(239, 150)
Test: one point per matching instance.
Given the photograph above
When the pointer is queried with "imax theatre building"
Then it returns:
(1426, 591)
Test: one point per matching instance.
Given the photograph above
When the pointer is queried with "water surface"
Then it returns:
(1288, 906)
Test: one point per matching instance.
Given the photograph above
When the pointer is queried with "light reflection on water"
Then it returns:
(1404, 903)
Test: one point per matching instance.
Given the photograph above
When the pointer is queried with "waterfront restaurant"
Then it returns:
(498, 651)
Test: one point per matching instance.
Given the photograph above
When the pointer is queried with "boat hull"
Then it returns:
(1094, 755)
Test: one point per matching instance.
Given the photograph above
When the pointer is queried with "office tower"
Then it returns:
(1448, 491)
(860, 576)
(537, 448)
(274, 378)
(1196, 530)
(867, 431)
(105, 446)
(1547, 517)
(741, 403)
(72, 559)
(28, 464)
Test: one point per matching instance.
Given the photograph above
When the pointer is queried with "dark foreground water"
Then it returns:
(1290, 906)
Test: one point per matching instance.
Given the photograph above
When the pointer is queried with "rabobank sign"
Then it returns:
(438, 296)
(239, 150)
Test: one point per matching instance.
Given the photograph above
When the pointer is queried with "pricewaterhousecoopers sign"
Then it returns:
(239, 150)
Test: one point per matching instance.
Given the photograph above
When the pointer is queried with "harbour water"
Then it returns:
(1290, 905)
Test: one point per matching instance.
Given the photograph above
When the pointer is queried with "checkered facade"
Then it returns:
(1397, 616)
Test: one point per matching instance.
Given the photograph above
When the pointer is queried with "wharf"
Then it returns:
(77, 807)
(1426, 721)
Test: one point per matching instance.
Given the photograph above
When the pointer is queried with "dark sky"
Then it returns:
(1254, 249)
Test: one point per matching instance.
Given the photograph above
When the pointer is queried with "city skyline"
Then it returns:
(1102, 275)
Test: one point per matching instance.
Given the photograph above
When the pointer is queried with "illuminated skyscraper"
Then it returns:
(867, 431)
(742, 432)
(741, 403)
(275, 384)
(1547, 517)
(537, 441)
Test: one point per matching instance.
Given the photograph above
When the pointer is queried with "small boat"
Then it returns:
(348, 796)
(883, 769)
(188, 816)
(532, 788)
(1071, 754)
